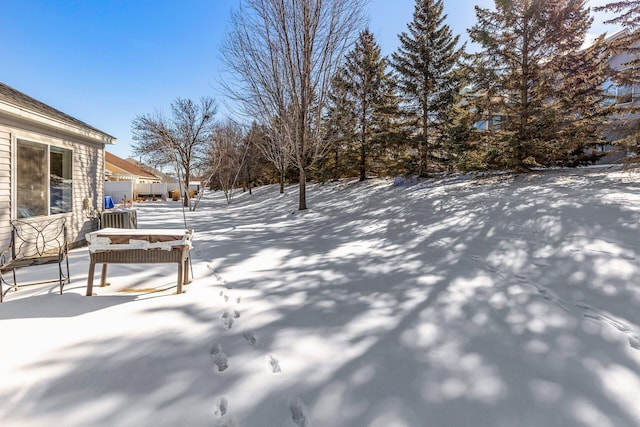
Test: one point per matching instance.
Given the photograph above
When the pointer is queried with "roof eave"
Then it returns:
(33, 116)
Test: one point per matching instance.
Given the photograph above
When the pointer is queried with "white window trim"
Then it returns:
(48, 142)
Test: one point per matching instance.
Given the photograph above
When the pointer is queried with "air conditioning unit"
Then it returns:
(121, 218)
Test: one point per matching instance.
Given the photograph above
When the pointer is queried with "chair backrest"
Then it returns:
(37, 237)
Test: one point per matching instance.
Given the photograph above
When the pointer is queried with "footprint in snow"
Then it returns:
(215, 272)
(251, 337)
(220, 408)
(218, 277)
(227, 320)
(591, 313)
(592, 316)
(238, 300)
(236, 314)
(545, 294)
(618, 325)
(298, 412)
(521, 278)
(215, 349)
(218, 357)
(540, 263)
(274, 365)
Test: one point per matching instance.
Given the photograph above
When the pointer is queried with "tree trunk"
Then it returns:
(187, 177)
(302, 204)
(363, 161)
(282, 182)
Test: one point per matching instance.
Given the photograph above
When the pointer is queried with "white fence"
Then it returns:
(119, 190)
(152, 190)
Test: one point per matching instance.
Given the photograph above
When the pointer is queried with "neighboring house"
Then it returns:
(51, 164)
(118, 169)
(624, 96)
(164, 177)
(126, 181)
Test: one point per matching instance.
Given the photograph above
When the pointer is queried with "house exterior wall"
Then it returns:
(87, 174)
(5, 185)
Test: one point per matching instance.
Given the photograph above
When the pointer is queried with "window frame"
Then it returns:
(47, 143)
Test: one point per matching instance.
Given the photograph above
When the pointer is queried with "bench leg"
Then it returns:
(92, 268)
(103, 275)
(180, 278)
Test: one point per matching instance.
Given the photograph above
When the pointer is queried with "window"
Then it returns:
(43, 179)
(622, 94)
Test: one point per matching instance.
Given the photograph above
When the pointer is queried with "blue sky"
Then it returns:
(107, 61)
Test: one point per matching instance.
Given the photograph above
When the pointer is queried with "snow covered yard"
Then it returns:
(504, 301)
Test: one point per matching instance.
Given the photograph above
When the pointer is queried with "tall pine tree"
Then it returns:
(543, 99)
(363, 106)
(425, 64)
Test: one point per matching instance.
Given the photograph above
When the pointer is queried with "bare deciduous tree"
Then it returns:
(226, 154)
(179, 140)
(282, 55)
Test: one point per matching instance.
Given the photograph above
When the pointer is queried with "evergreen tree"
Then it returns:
(364, 106)
(425, 64)
(542, 99)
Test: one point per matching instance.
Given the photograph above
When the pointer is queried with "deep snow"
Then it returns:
(501, 301)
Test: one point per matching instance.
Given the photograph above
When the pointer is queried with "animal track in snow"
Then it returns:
(216, 274)
(221, 407)
(274, 365)
(218, 357)
(238, 300)
(236, 314)
(227, 320)
(591, 313)
(215, 349)
(540, 263)
(219, 277)
(298, 412)
(545, 294)
(251, 337)
(521, 278)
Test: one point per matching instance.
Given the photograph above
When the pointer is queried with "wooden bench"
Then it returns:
(35, 242)
(139, 246)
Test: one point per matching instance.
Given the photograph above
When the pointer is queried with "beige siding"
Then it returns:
(88, 183)
(88, 174)
(5, 187)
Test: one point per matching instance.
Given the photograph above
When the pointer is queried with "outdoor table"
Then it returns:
(139, 246)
